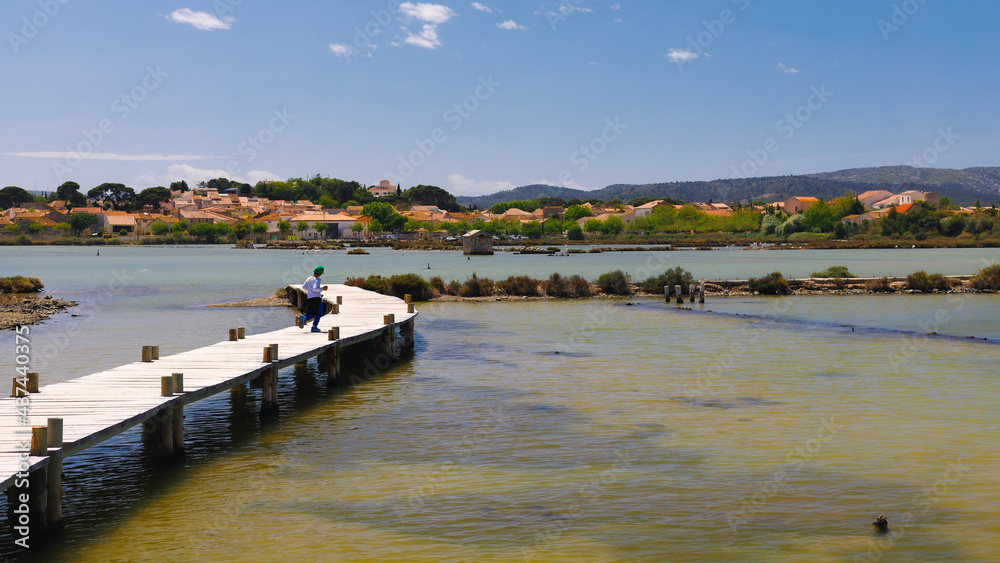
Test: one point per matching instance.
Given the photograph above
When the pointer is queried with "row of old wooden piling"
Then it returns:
(165, 427)
(678, 292)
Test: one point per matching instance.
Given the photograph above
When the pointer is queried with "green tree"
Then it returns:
(80, 221)
(532, 229)
(13, 196)
(180, 186)
(35, 228)
(375, 226)
(575, 232)
(152, 197)
(431, 195)
(120, 196)
(63, 228)
(12, 229)
(205, 231)
(945, 202)
(302, 227)
(593, 225)
(357, 228)
(553, 227)
(159, 228)
(259, 229)
(123, 232)
(179, 227)
(576, 212)
(613, 225)
(70, 193)
(820, 217)
(385, 214)
(240, 229)
(284, 227)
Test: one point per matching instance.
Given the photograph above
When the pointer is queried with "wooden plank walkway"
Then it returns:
(100, 406)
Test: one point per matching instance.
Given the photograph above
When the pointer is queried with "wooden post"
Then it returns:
(701, 292)
(167, 430)
(409, 308)
(32, 382)
(340, 300)
(167, 386)
(154, 352)
(334, 333)
(336, 309)
(177, 426)
(53, 493)
(267, 355)
(241, 333)
(233, 335)
(408, 298)
(389, 319)
(147, 354)
(406, 331)
(680, 298)
(691, 292)
(666, 293)
(38, 481)
(269, 391)
(333, 364)
(274, 352)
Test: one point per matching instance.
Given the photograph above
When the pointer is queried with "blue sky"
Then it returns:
(476, 97)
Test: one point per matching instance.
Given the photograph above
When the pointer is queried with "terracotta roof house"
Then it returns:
(908, 208)
(799, 204)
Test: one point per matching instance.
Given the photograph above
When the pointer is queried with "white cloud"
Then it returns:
(593, 63)
(192, 175)
(340, 49)
(482, 8)
(111, 156)
(200, 20)
(616, 7)
(433, 13)
(510, 24)
(467, 186)
(787, 69)
(428, 38)
(680, 55)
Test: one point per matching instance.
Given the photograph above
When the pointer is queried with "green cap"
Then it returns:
(318, 270)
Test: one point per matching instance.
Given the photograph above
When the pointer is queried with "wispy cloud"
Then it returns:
(433, 13)
(482, 8)
(787, 69)
(200, 20)
(340, 49)
(192, 175)
(427, 38)
(112, 156)
(467, 186)
(681, 55)
(510, 24)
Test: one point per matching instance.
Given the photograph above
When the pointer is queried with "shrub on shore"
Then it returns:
(519, 285)
(924, 282)
(437, 284)
(771, 284)
(571, 287)
(615, 283)
(20, 284)
(397, 285)
(671, 277)
(878, 285)
(987, 278)
(477, 287)
(834, 272)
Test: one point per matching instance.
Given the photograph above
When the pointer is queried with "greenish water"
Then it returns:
(549, 430)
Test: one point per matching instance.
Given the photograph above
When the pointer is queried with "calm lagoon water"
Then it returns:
(546, 430)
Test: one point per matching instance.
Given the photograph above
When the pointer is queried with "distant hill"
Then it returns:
(963, 187)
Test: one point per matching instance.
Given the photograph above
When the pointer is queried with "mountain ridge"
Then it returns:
(963, 187)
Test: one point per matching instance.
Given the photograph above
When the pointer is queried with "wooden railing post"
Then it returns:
(178, 415)
(53, 508)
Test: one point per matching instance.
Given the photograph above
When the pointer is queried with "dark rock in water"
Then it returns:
(881, 524)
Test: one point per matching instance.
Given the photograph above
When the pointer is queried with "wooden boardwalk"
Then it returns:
(102, 405)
